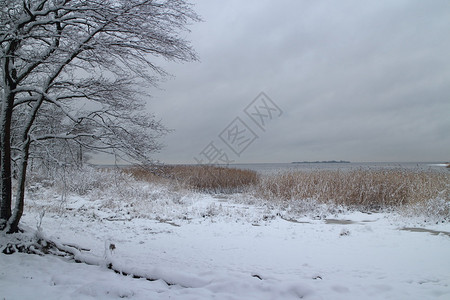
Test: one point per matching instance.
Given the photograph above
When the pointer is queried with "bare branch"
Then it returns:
(69, 76)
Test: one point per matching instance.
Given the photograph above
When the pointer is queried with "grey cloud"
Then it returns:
(356, 80)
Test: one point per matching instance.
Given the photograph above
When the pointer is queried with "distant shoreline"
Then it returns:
(322, 162)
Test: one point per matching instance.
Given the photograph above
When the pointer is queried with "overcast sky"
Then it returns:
(345, 80)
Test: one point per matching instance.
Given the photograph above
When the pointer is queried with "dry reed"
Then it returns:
(204, 178)
(413, 192)
(419, 192)
(368, 189)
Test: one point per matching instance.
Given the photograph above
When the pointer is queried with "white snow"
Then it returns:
(216, 247)
(439, 165)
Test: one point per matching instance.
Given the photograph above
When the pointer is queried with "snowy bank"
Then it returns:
(199, 246)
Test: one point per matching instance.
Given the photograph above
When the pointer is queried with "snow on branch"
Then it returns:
(70, 71)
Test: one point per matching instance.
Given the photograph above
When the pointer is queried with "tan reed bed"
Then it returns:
(370, 189)
(204, 178)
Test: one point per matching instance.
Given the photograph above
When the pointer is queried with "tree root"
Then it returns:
(39, 245)
(42, 246)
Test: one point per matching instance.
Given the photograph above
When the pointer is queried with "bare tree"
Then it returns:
(70, 71)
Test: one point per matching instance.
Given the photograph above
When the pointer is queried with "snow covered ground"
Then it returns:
(210, 247)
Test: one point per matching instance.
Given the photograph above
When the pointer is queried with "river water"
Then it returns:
(267, 168)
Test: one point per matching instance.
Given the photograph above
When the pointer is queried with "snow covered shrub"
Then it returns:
(435, 210)
(79, 181)
(82, 181)
(110, 194)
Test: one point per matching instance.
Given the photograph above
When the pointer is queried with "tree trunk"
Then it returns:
(7, 102)
(5, 164)
(13, 222)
